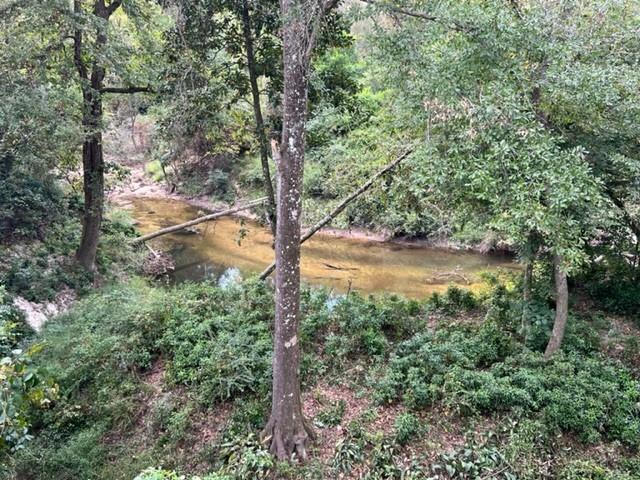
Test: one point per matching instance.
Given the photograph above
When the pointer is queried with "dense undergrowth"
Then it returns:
(150, 378)
(38, 270)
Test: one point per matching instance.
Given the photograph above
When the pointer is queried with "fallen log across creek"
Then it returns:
(341, 206)
(196, 221)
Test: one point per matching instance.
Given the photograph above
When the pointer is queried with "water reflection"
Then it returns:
(339, 263)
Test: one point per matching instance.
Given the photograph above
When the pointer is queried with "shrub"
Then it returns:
(219, 184)
(474, 460)
(525, 448)
(366, 328)
(587, 470)
(24, 388)
(154, 170)
(38, 277)
(219, 341)
(13, 327)
(406, 426)
(587, 396)
(331, 416)
(41, 270)
(245, 458)
(161, 474)
(418, 367)
(453, 300)
(28, 206)
(613, 284)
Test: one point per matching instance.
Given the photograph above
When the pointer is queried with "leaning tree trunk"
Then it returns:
(257, 111)
(562, 308)
(286, 431)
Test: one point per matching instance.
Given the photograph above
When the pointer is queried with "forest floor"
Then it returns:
(395, 389)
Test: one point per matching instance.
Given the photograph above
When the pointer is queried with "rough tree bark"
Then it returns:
(287, 432)
(562, 308)
(257, 111)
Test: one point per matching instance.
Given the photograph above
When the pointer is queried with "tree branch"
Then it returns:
(631, 222)
(341, 206)
(325, 7)
(146, 89)
(458, 27)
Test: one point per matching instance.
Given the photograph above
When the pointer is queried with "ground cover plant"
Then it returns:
(153, 380)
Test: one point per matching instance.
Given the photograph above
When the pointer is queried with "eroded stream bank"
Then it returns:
(233, 245)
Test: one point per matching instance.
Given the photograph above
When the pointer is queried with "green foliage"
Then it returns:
(418, 368)
(158, 474)
(249, 414)
(13, 327)
(245, 459)
(161, 474)
(454, 300)
(361, 328)
(213, 347)
(171, 420)
(587, 470)
(331, 416)
(349, 452)
(586, 396)
(39, 270)
(28, 206)
(524, 447)
(475, 460)
(219, 184)
(220, 341)
(613, 284)
(154, 170)
(24, 387)
(511, 135)
(406, 427)
(378, 457)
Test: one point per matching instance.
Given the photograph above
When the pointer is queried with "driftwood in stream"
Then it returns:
(341, 206)
(191, 223)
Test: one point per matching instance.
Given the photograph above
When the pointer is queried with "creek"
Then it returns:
(232, 247)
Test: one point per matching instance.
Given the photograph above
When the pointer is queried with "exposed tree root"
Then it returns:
(288, 444)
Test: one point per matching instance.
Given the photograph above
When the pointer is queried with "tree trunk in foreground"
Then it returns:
(257, 111)
(562, 308)
(286, 432)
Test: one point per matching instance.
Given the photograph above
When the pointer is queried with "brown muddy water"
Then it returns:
(231, 247)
